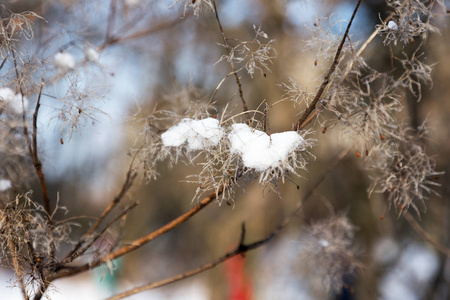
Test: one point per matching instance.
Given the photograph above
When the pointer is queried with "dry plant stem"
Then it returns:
(3, 62)
(110, 20)
(142, 33)
(360, 51)
(131, 175)
(99, 234)
(33, 151)
(140, 242)
(426, 236)
(242, 248)
(13, 252)
(23, 290)
(326, 80)
(238, 81)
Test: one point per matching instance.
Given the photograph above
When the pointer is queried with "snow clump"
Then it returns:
(64, 61)
(12, 100)
(260, 151)
(197, 133)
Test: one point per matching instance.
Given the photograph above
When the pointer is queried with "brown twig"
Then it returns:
(93, 239)
(242, 248)
(326, 80)
(426, 236)
(110, 20)
(142, 33)
(131, 175)
(32, 148)
(227, 47)
(141, 241)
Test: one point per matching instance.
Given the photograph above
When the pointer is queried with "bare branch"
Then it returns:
(326, 80)
(225, 41)
(131, 175)
(140, 242)
(426, 236)
(241, 248)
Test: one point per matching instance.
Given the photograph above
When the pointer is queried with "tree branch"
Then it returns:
(326, 80)
(227, 47)
(426, 236)
(140, 242)
(241, 248)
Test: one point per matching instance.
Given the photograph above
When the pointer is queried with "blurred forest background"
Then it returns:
(176, 58)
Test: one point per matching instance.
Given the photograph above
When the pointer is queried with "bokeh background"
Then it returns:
(179, 56)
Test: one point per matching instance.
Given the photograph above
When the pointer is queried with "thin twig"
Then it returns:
(101, 232)
(33, 152)
(349, 67)
(110, 20)
(227, 47)
(241, 248)
(426, 236)
(142, 33)
(141, 241)
(131, 175)
(326, 80)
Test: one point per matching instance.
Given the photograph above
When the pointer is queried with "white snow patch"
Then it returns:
(5, 184)
(260, 151)
(324, 243)
(392, 25)
(92, 54)
(132, 3)
(64, 61)
(197, 133)
(12, 100)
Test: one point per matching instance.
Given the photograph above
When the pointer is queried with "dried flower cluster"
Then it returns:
(411, 19)
(252, 55)
(329, 253)
(27, 240)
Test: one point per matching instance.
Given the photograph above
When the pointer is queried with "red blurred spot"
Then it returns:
(239, 283)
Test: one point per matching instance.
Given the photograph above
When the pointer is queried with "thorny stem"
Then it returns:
(241, 248)
(140, 242)
(326, 80)
(227, 47)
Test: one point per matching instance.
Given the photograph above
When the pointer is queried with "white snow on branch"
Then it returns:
(197, 133)
(5, 184)
(12, 100)
(91, 54)
(392, 25)
(260, 151)
(64, 61)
